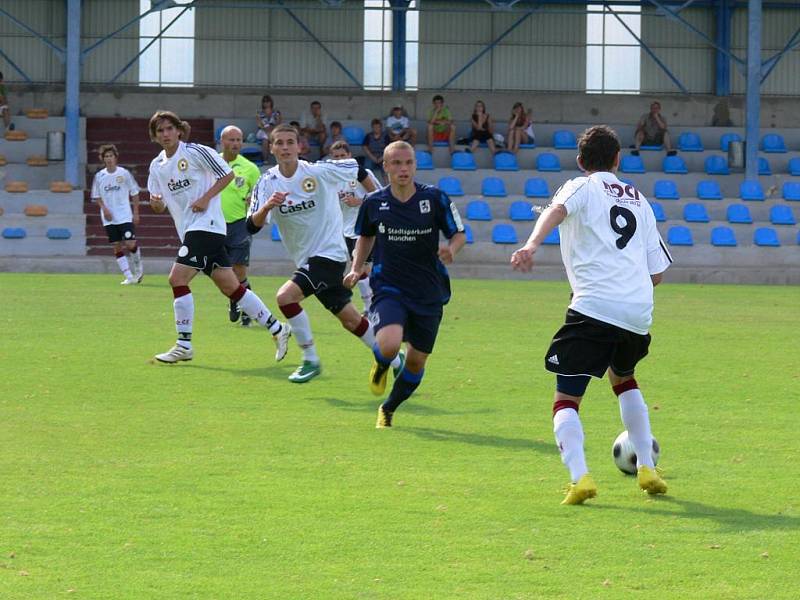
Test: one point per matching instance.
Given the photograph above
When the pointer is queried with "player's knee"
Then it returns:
(415, 362)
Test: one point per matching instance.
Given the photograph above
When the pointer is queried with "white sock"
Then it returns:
(137, 260)
(254, 308)
(569, 437)
(301, 329)
(184, 316)
(122, 261)
(368, 339)
(366, 292)
(635, 416)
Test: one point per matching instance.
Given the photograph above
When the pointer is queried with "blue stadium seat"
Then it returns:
(521, 211)
(632, 164)
(665, 189)
(468, 234)
(424, 160)
(694, 212)
(798, 238)
(791, 190)
(462, 161)
(564, 140)
(505, 161)
(504, 234)
(536, 188)
(763, 166)
(738, 213)
(450, 186)
(547, 161)
(626, 180)
(773, 143)
(58, 233)
(658, 211)
(276, 235)
(751, 190)
(14, 233)
(674, 164)
(726, 138)
(723, 236)
(689, 141)
(708, 190)
(679, 235)
(493, 186)
(717, 165)
(441, 143)
(654, 148)
(253, 154)
(478, 210)
(766, 236)
(218, 133)
(780, 214)
(553, 238)
(794, 166)
(529, 145)
(354, 135)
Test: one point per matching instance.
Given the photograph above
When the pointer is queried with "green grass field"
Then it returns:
(120, 478)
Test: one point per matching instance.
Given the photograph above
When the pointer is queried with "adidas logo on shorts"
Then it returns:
(553, 359)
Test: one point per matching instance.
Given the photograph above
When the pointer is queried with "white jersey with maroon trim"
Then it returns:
(309, 220)
(115, 190)
(182, 179)
(350, 213)
(610, 247)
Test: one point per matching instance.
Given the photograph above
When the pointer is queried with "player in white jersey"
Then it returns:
(614, 256)
(114, 189)
(187, 179)
(302, 200)
(351, 197)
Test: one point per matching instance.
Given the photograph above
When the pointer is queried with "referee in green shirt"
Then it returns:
(235, 201)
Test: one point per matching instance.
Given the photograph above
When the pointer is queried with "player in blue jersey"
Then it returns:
(400, 224)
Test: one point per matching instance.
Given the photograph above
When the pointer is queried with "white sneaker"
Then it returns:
(282, 341)
(126, 281)
(176, 354)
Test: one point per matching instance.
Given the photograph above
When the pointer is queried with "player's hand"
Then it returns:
(351, 200)
(276, 199)
(446, 255)
(157, 203)
(351, 279)
(107, 213)
(136, 219)
(200, 205)
(522, 259)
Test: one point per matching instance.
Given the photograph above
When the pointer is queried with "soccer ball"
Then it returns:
(625, 456)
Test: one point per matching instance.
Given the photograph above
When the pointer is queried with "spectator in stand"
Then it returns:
(722, 115)
(482, 128)
(266, 118)
(304, 152)
(312, 124)
(520, 128)
(5, 111)
(336, 136)
(651, 130)
(398, 127)
(375, 143)
(441, 127)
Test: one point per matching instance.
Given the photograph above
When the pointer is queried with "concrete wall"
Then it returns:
(98, 101)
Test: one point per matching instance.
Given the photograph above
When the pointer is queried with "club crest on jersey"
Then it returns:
(353, 183)
(424, 206)
(239, 181)
(309, 184)
(120, 179)
(183, 164)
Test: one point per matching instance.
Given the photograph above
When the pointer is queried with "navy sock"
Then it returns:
(403, 387)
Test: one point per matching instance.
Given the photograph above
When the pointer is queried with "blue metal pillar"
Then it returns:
(72, 103)
(399, 44)
(753, 110)
(723, 38)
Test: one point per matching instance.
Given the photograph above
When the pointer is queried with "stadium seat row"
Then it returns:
(724, 236)
(664, 189)
(694, 212)
(54, 233)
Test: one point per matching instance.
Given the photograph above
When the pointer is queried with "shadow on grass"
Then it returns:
(371, 405)
(274, 372)
(730, 519)
(477, 439)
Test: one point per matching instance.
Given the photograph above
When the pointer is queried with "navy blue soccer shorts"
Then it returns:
(419, 330)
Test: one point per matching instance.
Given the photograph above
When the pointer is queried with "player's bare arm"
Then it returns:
(447, 254)
(552, 216)
(104, 209)
(656, 278)
(364, 246)
(201, 204)
(135, 202)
